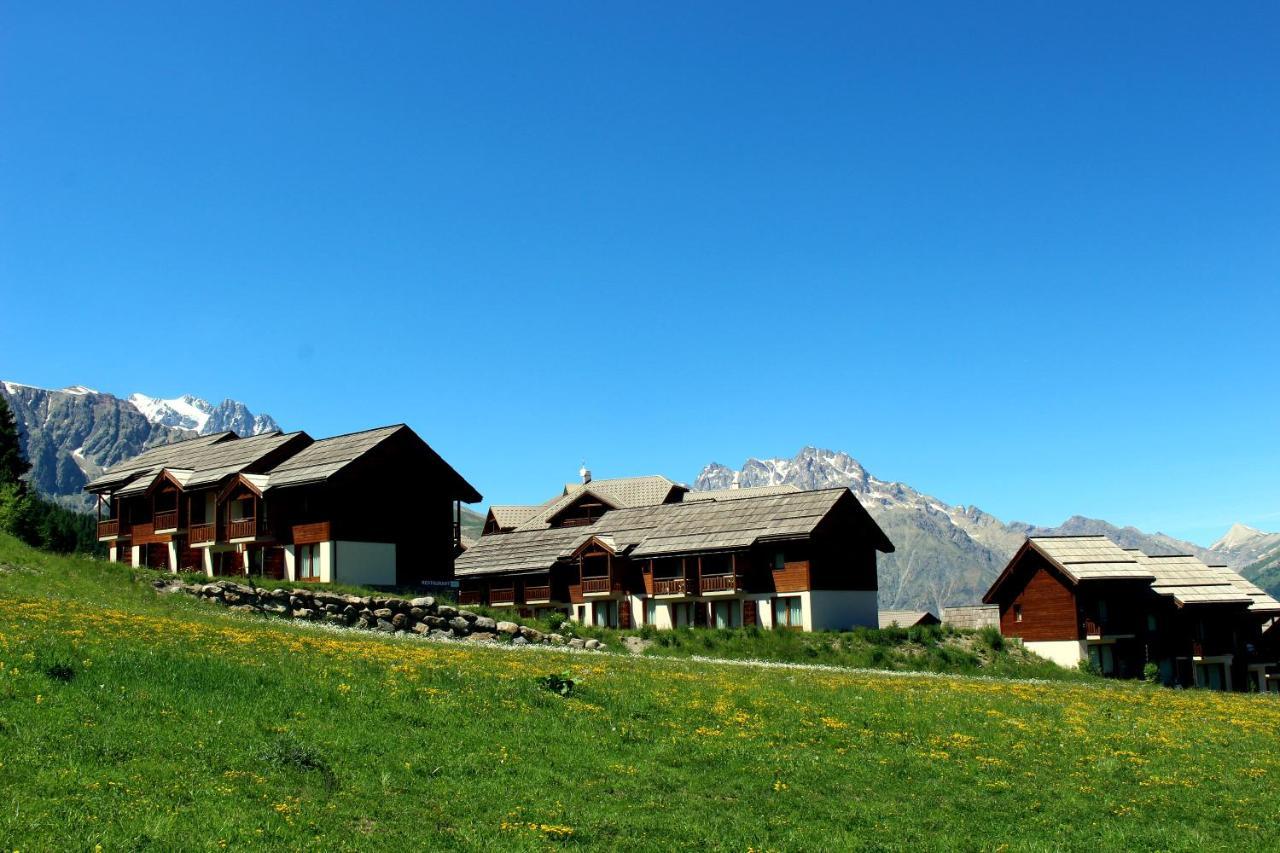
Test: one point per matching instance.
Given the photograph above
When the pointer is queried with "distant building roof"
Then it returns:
(906, 618)
(619, 493)
(511, 516)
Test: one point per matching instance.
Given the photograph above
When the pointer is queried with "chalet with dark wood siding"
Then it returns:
(1084, 598)
(648, 551)
(375, 507)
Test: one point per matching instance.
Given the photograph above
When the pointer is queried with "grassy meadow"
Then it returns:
(130, 720)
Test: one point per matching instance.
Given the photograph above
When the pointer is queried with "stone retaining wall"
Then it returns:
(423, 616)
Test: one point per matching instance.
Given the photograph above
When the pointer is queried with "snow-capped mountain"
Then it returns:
(946, 554)
(71, 434)
(1246, 544)
(192, 413)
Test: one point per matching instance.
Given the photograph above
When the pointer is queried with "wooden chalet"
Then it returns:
(375, 507)
(647, 551)
(1084, 598)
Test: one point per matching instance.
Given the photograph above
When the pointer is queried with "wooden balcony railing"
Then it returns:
(719, 583)
(1092, 627)
(590, 585)
(537, 593)
(198, 534)
(502, 596)
(469, 596)
(110, 527)
(245, 528)
(670, 586)
(166, 519)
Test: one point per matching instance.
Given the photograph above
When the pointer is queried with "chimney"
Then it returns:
(735, 484)
(585, 474)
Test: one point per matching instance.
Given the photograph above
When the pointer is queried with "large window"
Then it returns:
(1103, 658)
(787, 612)
(308, 562)
(650, 612)
(726, 614)
(606, 614)
(682, 614)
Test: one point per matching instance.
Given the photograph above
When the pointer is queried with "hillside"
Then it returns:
(946, 554)
(133, 720)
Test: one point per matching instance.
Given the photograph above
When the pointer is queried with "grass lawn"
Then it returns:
(130, 720)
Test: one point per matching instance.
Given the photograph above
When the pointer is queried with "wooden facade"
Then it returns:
(1124, 611)
(623, 567)
(381, 499)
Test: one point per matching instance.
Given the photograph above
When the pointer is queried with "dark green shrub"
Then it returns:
(1151, 673)
(558, 683)
(992, 638)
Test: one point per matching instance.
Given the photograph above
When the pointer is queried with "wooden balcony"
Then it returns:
(537, 594)
(719, 583)
(1092, 627)
(502, 596)
(202, 534)
(470, 596)
(596, 586)
(165, 520)
(671, 586)
(245, 528)
(112, 529)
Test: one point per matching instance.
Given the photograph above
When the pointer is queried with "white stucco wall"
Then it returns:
(359, 562)
(1066, 653)
(206, 557)
(136, 552)
(839, 609)
(173, 557)
(290, 563)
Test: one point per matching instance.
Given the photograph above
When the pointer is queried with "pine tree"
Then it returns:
(12, 463)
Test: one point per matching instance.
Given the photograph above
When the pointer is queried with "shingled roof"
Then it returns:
(664, 530)
(152, 460)
(738, 493)
(617, 493)
(1187, 580)
(326, 457)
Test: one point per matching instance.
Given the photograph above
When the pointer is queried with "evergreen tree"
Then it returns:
(12, 463)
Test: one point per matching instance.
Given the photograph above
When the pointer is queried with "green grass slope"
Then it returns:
(131, 720)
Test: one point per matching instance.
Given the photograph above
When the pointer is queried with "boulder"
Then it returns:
(426, 602)
(232, 597)
(444, 611)
(244, 608)
(575, 643)
(468, 615)
(364, 624)
(436, 622)
(420, 628)
(211, 589)
(350, 611)
(459, 625)
(533, 635)
(386, 627)
(277, 609)
(280, 594)
(383, 613)
(417, 612)
(397, 604)
(482, 637)
(335, 618)
(400, 621)
(332, 608)
(519, 641)
(556, 638)
(303, 613)
(484, 623)
(591, 644)
(437, 634)
(509, 628)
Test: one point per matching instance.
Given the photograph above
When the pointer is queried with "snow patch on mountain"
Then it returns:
(201, 416)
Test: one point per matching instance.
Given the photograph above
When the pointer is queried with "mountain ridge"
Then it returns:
(946, 553)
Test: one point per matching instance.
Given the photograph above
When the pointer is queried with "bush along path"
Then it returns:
(423, 616)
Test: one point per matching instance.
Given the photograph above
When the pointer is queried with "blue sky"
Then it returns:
(1018, 255)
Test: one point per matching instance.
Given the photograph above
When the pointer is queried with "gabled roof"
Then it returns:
(618, 493)
(666, 530)
(195, 464)
(326, 457)
(510, 516)
(738, 493)
(175, 454)
(1090, 558)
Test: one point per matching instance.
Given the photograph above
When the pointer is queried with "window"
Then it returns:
(1017, 613)
(606, 614)
(1102, 657)
(582, 613)
(1102, 610)
(682, 614)
(650, 612)
(779, 560)
(1151, 622)
(725, 614)
(308, 562)
(787, 612)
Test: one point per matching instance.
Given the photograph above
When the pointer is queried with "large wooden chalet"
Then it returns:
(648, 551)
(375, 507)
(1084, 598)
